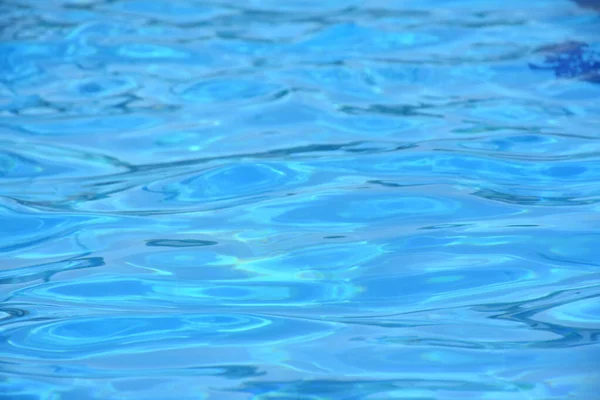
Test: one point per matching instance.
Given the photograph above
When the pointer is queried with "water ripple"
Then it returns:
(78, 338)
(278, 200)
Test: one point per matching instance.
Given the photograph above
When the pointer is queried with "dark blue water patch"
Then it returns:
(573, 60)
(593, 4)
(19, 397)
(180, 243)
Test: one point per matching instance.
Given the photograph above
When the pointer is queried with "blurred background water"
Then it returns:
(295, 199)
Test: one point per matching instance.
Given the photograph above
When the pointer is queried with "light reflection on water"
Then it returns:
(344, 199)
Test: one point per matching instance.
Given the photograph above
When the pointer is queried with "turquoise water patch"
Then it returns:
(226, 90)
(137, 292)
(285, 199)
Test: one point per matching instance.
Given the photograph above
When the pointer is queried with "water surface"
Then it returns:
(335, 199)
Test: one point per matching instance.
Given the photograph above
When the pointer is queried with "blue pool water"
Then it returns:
(296, 199)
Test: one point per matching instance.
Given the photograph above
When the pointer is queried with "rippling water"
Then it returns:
(294, 199)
